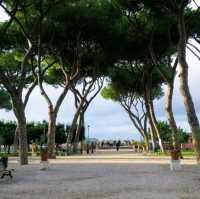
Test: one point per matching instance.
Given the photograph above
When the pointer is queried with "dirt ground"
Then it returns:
(106, 175)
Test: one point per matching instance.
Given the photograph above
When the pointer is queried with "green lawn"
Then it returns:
(184, 153)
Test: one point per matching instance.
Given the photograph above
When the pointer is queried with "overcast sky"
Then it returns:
(107, 119)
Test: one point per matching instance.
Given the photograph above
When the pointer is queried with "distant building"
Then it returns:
(189, 144)
(90, 140)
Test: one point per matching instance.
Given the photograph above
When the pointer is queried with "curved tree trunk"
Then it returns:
(169, 112)
(78, 131)
(149, 115)
(146, 134)
(141, 130)
(151, 125)
(155, 124)
(150, 107)
(184, 88)
(153, 142)
(73, 126)
(79, 126)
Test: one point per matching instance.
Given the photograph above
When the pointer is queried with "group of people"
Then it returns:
(90, 147)
(116, 144)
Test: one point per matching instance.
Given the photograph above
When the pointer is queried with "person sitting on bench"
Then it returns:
(3, 165)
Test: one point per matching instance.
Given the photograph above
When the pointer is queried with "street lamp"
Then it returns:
(67, 144)
(88, 132)
(87, 148)
(44, 132)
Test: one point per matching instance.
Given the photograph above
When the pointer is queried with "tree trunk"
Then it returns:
(153, 142)
(169, 112)
(51, 135)
(74, 123)
(146, 140)
(16, 140)
(18, 109)
(184, 88)
(150, 121)
(77, 134)
(8, 149)
(80, 124)
(23, 145)
(150, 107)
(83, 136)
(155, 124)
(138, 124)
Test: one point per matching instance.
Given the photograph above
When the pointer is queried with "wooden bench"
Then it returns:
(3, 168)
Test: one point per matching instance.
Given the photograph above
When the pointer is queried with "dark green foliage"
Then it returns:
(36, 131)
(5, 102)
(7, 132)
(166, 133)
(127, 77)
(192, 23)
(60, 134)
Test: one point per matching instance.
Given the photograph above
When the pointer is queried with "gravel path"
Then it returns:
(67, 178)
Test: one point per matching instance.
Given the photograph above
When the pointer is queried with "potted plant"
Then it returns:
(44, 157)
(175, 158)
(175, 154)
(44, 154)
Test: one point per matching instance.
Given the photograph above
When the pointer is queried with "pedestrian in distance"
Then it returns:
(118, 145)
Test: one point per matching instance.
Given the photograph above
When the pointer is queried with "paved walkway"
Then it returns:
(105, 175)
(110, 156)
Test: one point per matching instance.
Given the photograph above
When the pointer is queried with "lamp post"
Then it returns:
(88, 132)
(67, 144)
(88, 150)
(44, 132)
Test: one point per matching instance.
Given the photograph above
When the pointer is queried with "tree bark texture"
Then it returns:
(18, 109)
(140, 128)
(169, 112)
(150, 122)
(151, 114)
(184, 88)
(155, 124)
(51, 135)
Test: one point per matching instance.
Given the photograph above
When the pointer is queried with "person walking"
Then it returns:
(118, 145)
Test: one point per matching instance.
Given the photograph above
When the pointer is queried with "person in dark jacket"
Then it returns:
(118, 145)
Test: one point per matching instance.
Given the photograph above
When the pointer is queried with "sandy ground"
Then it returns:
(106, 175)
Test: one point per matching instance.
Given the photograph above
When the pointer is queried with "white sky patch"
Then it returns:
(3, 15)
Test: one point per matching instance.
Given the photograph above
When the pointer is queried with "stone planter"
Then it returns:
(175, 162)
(175, 165)
(44, 165)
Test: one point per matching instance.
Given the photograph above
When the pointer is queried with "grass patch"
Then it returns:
(188, 153)
(184, 153)
(3, 154)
